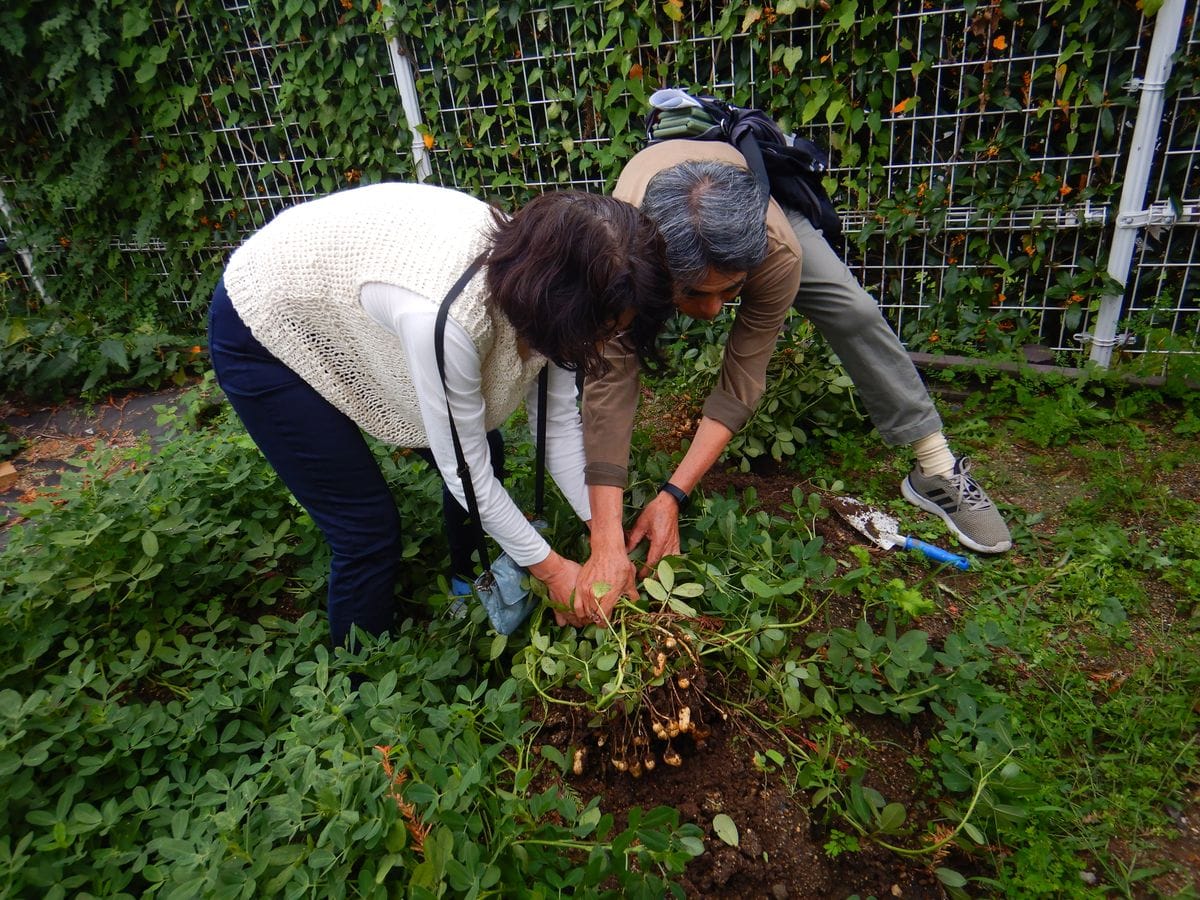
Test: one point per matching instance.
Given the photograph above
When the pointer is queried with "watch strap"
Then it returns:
(678, 494)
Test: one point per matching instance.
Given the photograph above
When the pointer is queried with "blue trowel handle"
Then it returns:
(937, 553)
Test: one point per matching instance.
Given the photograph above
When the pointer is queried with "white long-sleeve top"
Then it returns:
(412, 318)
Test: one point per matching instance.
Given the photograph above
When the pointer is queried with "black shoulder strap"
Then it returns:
(439, 349)
(747, 145)
(463, 471)
(539, 483)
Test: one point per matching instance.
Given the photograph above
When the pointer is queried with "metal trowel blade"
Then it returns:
(874, 524)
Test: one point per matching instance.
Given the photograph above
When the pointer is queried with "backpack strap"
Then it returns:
(439, 348)
(748, 147)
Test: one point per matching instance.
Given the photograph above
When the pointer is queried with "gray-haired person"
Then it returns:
(719, 246)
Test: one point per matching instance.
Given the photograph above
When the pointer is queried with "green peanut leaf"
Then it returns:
(655, 590)
(726, 829)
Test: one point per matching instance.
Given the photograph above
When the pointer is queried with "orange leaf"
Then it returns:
(902, 106)
(428, 138)
(635, 71)
(1000, 43)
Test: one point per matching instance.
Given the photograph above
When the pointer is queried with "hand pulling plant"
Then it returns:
(642, 680)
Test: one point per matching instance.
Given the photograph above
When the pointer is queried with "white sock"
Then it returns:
(933, 454)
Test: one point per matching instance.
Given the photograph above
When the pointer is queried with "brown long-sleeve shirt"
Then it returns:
(609, 402)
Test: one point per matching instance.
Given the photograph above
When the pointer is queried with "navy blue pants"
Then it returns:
(323, 459)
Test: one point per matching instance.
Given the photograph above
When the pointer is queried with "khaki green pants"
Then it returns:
(851, 321)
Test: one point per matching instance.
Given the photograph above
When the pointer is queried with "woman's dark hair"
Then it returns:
(568, 267)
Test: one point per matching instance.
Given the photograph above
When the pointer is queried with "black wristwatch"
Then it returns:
(680, 497)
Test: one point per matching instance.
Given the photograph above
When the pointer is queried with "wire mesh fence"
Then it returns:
(976, 146)
(980, 97)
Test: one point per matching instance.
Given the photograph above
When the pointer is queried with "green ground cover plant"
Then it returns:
(174, 722)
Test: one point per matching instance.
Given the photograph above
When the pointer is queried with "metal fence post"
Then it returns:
(1131, 216)
(25, 255)
(402, 71)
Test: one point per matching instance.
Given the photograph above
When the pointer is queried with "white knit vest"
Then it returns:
(296, 285)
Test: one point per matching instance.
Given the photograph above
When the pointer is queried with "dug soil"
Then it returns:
(783, 848)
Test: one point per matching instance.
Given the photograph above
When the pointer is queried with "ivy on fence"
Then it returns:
(141, 142)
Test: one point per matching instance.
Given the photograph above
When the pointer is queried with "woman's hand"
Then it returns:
(659, 523)
(605, 578)
(560, 575)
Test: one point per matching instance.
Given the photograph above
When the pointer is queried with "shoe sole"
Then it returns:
(916, 499)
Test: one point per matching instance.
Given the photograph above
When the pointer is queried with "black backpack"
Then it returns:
(788, 168)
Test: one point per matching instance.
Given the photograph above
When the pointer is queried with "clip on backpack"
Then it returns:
(787, 167)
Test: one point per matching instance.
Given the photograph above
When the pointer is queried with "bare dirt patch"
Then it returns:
(781, 848)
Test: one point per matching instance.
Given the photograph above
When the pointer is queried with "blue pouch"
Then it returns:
(505, 593)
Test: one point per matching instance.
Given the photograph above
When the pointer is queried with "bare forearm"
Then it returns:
(607, 504)
(608, 574)
(708, 444)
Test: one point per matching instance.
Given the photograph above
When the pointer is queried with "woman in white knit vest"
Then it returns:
(323, 327)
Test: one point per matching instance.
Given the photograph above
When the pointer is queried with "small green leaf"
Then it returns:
(891, 818)
(114, 349)
(757, 586)
(499, 642)
(869, 704)
(86, 814)
(17, 332)
(792, 699)
(666, 575)
(678, 606)
(655, 590)
(791, 56)
(950, 878)
(146, 72)
(149, 543)
(556, 756)
(726, 830)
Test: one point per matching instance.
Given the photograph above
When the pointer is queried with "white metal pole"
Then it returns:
(1130, 215)
(402, 71)
(26, 256)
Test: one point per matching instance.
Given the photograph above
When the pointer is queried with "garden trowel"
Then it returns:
(884, 531)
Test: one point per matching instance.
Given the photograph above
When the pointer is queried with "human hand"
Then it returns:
(560, 575)
(659, 522)
(607, 576)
